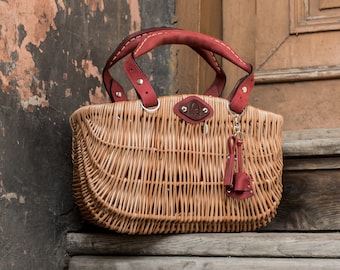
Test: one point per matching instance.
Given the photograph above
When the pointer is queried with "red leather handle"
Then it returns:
(192, 39)
(127, 46)
(240, 94)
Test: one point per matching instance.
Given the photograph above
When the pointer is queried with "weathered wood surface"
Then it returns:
(311, 163)
(315, 149)
(310, 134)
(193, 75)
(284, 245)
(297, 74)
(310, 201)
(313, 142)
(303, 59)
(311, 179)
(195, 263)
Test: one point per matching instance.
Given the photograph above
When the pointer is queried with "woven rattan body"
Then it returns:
(138, 172)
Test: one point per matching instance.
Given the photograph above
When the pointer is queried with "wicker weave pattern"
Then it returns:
(141, 173)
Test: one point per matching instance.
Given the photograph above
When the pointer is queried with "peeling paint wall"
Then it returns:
(51, 57)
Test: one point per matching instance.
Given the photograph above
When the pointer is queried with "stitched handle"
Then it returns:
(238, 97)
(129, 44)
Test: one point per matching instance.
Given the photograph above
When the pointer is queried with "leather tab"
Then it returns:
(193, 110)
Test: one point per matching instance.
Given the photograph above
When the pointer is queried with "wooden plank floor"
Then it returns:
(278, 245)
(199, 263)
(205, 251)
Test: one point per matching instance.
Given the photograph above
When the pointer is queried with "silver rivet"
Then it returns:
(184, 109)
(140, 81)
(244, 89)
(118, 94)
(205, 110)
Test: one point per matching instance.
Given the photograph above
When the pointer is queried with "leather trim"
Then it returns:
(193, 110)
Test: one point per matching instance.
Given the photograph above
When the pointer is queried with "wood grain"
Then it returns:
(313, 142)
(311, 163)
(297, 74)
(193, 75)
(279, 245)
(311, 201)
(310, 134)
(194, 263)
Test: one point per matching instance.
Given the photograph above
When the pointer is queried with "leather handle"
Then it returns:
(192, 39)
(239, 96)
(130, 43)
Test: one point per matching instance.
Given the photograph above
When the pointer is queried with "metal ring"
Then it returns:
(152, 109)
(234, 114)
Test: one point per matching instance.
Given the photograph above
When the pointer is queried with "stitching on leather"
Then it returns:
(124, 47)
(150, 36)
(215, 61)
(215, 40)
(162, 33)
(225, 45)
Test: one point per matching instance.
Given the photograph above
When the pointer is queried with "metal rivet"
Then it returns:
(205, 110)
(228, 191)
(184, 109)
(118, 94)
(244, 89)
(140, 81)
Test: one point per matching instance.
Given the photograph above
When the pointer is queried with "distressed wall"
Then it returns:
(51, 56)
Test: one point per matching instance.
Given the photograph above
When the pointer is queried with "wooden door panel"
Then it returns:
(269, 34)
(318, 49)
(314, 15)
(301, 35)
(295, 48)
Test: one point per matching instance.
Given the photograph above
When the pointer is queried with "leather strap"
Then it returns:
(240, 94)
(141, 83)
(130, 43)
(229, 168)
(239, 143)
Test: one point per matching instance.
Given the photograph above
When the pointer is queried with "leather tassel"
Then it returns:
(229, 169)
(239, 184)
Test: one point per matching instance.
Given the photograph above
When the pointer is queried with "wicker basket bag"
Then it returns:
(181, 163)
